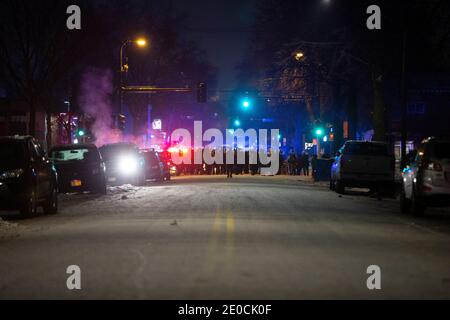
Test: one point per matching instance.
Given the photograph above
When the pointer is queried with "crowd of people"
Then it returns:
(289, 165)
(298, 165)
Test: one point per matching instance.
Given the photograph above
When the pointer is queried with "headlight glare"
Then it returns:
(128, 165)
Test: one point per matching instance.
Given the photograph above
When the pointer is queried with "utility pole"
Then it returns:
(404, 101)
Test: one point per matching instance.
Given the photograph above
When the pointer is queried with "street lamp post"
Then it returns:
(124, 66)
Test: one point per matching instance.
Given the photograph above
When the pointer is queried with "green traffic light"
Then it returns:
(81, 133)
(237, 123)
(319, 132)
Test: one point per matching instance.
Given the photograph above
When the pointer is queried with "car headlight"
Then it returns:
(12, 174)
(128, 165)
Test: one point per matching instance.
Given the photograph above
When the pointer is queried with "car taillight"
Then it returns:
(433, 166)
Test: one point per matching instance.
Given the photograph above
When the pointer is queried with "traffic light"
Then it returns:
(121, 122)
(237, 123)
(202, 92)
(246, 103)
(319, 132)
(81, 132)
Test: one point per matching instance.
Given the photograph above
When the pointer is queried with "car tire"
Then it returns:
(29, 209)
(102, 189)
(51, 203)
(339, 187)
(405, 203)
(417, 206)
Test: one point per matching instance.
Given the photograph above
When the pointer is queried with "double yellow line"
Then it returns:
(221, 244)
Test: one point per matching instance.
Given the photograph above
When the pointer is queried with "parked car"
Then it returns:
(79, 168)
(124, 164)
(155, 168)
(364, 164)
(27, 177)
(426, 179)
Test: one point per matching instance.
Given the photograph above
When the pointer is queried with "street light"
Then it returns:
(141, 42)
(299, 56)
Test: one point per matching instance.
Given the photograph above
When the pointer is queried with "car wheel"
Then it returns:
(103, 188)
(51, 204)
(417, 206)
(405, 203)
(339, 187)
(29, 209)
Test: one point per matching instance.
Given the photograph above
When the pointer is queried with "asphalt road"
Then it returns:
(209, 238)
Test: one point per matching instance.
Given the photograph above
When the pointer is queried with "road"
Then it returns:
(211, 238)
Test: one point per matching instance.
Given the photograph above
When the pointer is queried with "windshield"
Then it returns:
(114, 151)
(366, 149)
(70, 155)
(442, 150)
(12, 154)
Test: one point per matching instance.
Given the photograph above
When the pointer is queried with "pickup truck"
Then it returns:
(364, 164)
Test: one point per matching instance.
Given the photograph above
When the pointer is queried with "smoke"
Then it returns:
(95, 101)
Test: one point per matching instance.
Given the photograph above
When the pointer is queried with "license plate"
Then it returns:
(75, 183)
(112, 179)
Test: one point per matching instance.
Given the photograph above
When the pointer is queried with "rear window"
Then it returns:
(12, 154)
(442, 150)
(74, 155)
(114, 151)
(151, 156)
(366, 149)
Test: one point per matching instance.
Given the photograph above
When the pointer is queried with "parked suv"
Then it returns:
(80, 168)
(426, 179)
(27, 177)
(155, 168)
(364, 164)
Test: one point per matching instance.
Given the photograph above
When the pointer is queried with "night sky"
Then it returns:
(222, 29)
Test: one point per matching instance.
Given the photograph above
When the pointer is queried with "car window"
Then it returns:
(74, 155)
(365, 149)
(114, 151)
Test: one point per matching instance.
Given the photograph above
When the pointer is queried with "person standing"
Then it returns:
(300, 165)
(292, 162)
(305, 163)
(229, 166)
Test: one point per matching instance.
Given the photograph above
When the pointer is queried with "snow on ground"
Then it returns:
(7, 229)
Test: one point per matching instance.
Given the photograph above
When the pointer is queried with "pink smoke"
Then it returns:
(95, 100)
